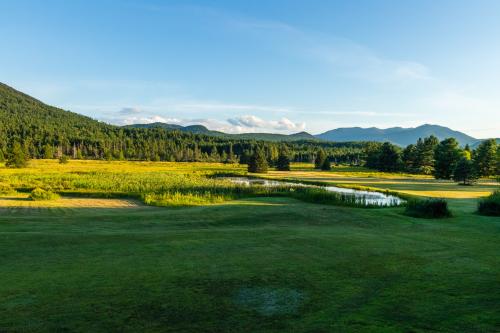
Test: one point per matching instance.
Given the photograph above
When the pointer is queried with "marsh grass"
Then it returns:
(39, 194)
(158, 184)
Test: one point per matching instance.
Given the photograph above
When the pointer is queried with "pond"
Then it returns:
(368, 197)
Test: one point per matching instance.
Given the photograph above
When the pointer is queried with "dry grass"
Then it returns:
(23, 201)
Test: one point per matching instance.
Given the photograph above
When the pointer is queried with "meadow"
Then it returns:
(100, 259)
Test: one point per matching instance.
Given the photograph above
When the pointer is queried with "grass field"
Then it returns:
(271, 264)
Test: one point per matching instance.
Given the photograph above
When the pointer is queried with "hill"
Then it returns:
(45, 131)
(397, 135)
(200, 129)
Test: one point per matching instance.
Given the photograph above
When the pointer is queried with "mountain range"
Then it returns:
(19, 108)
(397, 135)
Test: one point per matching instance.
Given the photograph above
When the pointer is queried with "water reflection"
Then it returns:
(368, 197)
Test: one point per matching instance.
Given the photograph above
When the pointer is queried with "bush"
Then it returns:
(39, 194)
(491, 205)
(428, 209)
(6, 188)
(63, 159)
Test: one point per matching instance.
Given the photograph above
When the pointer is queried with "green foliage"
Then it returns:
(490, 205)
(327, 166)
(283, 162)
(39, 194)
(2, 156)
(485, 158)
(17, 157)
(465, 172)
(389, 158)
(48, 151)
(447, 155)
(41, 129)
(64, 159)
(320, 159)
(6, 188)
(428, 208)
(258, 162)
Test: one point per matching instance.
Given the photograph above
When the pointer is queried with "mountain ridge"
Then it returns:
(397, 135)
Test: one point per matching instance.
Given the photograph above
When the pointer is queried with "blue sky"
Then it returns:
(255, 66)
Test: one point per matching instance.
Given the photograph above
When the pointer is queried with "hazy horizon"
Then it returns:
(259, 66)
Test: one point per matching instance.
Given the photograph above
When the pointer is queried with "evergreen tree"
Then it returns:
(446, 157)
(283, 162)
(485, 158)
(320, 159)
(258, 162)
(464, 172)
(372, 155)
(326, 165)
(17, 157)
(409, 158)
(425, 154)
(389, 158)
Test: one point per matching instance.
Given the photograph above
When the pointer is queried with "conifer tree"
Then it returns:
(17, 158)
(485, 158)
(320, 159)
(326, 165)
(446, 157)
(464, 172)
(283, 162)
(258, 162)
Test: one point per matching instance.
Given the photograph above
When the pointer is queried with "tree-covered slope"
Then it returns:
(200, 129)
(46, 132)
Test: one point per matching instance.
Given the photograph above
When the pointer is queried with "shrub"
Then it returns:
(490, 205)
(429, 208)
(63, 159)
(5, 188)
(39, 194)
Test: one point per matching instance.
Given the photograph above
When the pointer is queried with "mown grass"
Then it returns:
(253, 265)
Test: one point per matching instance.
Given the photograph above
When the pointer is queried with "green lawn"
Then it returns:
(260, 265)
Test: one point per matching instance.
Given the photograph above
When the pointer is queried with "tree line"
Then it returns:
(443, 159)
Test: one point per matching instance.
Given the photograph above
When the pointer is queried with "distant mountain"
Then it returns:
(200, 129)
(397, 135)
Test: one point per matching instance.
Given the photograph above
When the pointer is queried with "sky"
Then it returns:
(260, 66)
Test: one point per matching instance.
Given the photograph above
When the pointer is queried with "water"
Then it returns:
(368, 197)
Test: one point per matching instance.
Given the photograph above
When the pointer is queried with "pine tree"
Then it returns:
(17, 158)
(485, 158)
(320, 159)
(464, 172)
(283, 162)
(389, 158)
(446, 157)
(258, 162)
(326, 166)
(425, 154)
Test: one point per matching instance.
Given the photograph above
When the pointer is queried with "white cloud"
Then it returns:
(283, 124)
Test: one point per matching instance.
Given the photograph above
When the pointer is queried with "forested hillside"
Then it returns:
(48, 132)
(200, 129)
